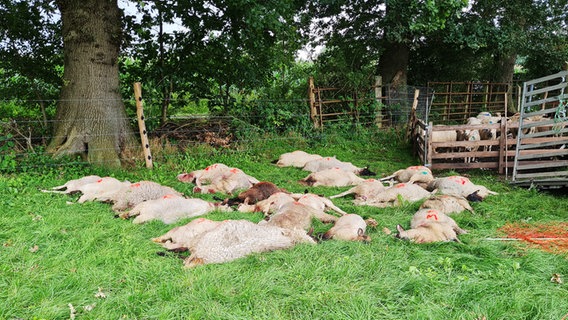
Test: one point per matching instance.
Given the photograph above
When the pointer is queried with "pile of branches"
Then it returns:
(216, 132)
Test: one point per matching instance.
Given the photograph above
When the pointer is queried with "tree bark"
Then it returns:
(91, 119)
(393, 64)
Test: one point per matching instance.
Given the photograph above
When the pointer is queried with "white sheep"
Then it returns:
(204, 176)
(72, 186)
(447, 203)
(432, 232)
(171, 208)
(444, 136)
(488, 134)
(295, 215)
(234, 239)
(318, 202)
(460, 186)
(470, 135)
(296, 159)
(427, 216)
(130, 196)
(334, 177)
(229, 181)
(350, 227)
(391, 196)
(103, 190)
(365, 190)
(332, 162)
(412, 174)
(182, 237)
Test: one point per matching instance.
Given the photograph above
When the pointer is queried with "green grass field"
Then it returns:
(55, 254)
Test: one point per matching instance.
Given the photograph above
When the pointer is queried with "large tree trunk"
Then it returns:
(393, 64)
(504, 71)
(91, 120)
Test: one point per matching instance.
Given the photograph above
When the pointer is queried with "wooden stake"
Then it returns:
(142, 125)
(312, 99)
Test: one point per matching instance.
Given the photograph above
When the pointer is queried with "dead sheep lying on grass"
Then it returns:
(426, 216)
(295, 215)
(447, 204)
(432, 232)
(332, 162)
(183, 237)
(171, 208)
(102, 190)
(392, 196)
(350, 227)
(136, 193)
(267, 206)
(92, 188)
(460, 186)
(318, 202)
(218, 177)
(297, 159)
(233, 239)
(73, 186)
(412, 174)
(367, 189)
(334, 177)
(430, 225)
(204, 176)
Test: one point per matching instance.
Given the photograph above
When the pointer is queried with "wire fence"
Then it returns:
(252, 126)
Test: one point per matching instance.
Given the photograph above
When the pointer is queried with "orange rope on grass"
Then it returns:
(550, 237)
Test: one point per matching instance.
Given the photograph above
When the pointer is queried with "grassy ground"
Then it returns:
(54, 254)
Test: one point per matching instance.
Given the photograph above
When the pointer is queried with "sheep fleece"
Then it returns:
(235, 239)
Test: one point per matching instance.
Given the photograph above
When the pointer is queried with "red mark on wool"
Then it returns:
(234, 170)
(135, 185)
(400, 185)
(100, 180)
(168, 196)
(435, 216)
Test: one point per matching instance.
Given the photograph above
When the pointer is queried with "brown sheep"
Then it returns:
(258, 192)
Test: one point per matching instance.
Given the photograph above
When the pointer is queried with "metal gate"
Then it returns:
(541, 157)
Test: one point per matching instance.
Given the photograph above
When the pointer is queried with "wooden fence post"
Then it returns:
(379, 99)
(312, 99)
(142, 125)
(412, 120)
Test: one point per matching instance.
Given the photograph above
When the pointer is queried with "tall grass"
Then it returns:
(54, 254)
